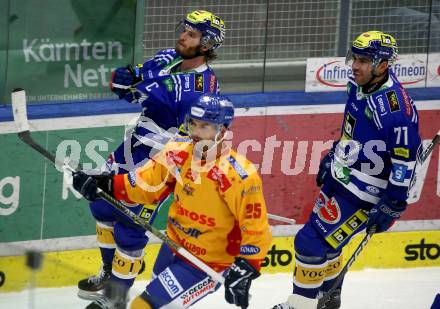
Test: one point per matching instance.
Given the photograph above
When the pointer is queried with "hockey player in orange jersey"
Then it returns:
(218, 214)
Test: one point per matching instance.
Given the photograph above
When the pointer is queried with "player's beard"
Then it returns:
(189, 53)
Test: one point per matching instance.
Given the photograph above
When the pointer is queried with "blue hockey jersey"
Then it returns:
(377, 151)
(167, 93)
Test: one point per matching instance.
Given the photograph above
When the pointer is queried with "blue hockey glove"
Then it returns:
(324, 168)
(383, 214)
(88, 185)
(123, 79)
(238, 282)
(133, 95)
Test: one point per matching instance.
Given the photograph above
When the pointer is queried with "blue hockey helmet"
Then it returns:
(212, 28)
(212, 108)
(375, 45)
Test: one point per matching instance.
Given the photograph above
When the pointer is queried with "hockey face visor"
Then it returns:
(374, 45)
(211, 27)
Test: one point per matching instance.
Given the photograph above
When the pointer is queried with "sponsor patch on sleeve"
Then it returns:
(212, 83)
(198, 82)
(132, 178)
(399, 172)
(237, 167)
(393, 102)
(401, 152)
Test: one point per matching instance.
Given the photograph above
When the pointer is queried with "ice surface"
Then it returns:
(368, 289)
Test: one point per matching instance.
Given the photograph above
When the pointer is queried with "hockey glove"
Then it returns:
(383, 215)
(123, 79)
(88, 185)
(238, 282)
(324, 168)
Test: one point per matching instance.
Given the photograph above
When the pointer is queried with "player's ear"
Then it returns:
(382, 67)
(204, 49)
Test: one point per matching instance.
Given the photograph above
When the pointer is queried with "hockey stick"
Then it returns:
(421, 159)
(281, 219)
(427, 151)
(18, 97)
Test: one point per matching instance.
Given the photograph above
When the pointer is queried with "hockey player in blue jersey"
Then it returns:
(164, 86)
(365, 177)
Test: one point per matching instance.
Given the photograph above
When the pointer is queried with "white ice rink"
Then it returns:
(369, 289)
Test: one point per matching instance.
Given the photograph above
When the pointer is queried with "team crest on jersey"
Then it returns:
(349, 124)
(198, 82)
(330, 213)
(320, 202)
(393, 102)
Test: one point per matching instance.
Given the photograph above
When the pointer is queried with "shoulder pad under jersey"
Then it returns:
(387, 105)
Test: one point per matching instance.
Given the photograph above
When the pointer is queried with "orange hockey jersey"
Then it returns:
(218, 211)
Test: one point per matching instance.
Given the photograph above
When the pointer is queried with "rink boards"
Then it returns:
(39, 210)
(386, 250)
(286, 142)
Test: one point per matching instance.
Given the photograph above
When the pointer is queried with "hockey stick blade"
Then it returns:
(19, 111)
(281, 219)
(19, 98)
